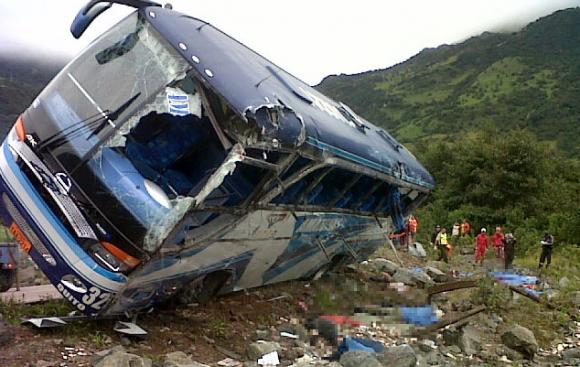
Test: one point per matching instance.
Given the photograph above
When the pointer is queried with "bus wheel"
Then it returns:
(7, 277)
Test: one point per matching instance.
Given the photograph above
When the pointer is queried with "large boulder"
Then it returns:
(451, 335)
(180, 359)
(437, 275)
(413, 278)
(417, 250)
(118, 357)
(399, 356)
(258, 349)
(520, 339)
(384, 265)
(470, 340)
(359, 358)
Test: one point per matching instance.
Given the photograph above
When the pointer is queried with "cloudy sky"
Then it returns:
(309, 38)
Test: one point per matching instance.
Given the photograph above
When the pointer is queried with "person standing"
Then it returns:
(497, 241)
(442, 243)
(465, 228)
(481, 243)
(547, 244)
(455, 231)
(509, 244)
(413, 227)
(434, 234)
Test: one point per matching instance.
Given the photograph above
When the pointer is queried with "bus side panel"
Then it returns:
(263, 248)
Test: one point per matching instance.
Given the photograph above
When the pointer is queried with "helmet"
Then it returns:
(483, 230)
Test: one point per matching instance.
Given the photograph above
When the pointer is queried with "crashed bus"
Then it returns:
(169, 159)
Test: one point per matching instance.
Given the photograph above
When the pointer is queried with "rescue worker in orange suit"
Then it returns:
(497, 240)
(481, 243)
(442, 243)
(413, 227)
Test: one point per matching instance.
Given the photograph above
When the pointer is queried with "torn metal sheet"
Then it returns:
(169, 160)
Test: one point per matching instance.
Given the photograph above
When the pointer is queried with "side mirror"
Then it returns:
(86, 16)
(95, 8)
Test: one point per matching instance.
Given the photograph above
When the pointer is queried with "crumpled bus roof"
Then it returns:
(250, 83)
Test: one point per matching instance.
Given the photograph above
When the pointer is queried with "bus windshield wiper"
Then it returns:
(108, 117)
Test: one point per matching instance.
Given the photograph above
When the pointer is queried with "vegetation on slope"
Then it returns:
(524, 80)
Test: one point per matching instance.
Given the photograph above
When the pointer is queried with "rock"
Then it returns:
(437, 275)
(295, 329)
(426, 345)
(258, 349)
(451, 336)
(262, 334)
(385, 265)
(520, 339)
(564, 282)
(443, 266)
(399, 356)
(125, 341)
(571, 353)
(417, 250)
(180, 359)
(118, 357)
(470, 340)
(359, 358)
(409, 277)
(575, 297)
(6, 333)
(513, 355)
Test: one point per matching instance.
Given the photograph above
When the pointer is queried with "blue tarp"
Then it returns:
(421, 316)
(518, 280)
(367, 345)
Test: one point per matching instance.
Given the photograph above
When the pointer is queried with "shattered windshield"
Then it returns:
(100, 89)
(83, 121)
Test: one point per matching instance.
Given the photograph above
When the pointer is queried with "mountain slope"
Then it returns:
(21, 80)
(529, 79)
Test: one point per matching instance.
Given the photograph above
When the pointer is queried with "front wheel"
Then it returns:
(7, 277)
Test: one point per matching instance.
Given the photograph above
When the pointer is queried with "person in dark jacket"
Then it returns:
(547, 244)
(435, 233)
(509, 247)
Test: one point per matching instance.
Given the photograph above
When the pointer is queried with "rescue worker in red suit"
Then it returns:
(497, 240)
(481, 243)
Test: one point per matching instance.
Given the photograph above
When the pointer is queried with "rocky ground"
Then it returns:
(289, 325)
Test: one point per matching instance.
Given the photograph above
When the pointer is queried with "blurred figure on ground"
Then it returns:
(434, 234)
(509, 244)
(442, 244)
(547, 244)
(481, 243)
(413, 227)
(465, 228)
(497, 241)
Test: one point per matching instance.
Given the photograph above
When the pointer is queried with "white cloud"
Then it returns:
(309, 38)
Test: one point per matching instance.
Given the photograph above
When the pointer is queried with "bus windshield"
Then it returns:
(81, 121)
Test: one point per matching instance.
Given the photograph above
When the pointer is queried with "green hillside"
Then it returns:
(529, 79)
(20, 81)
